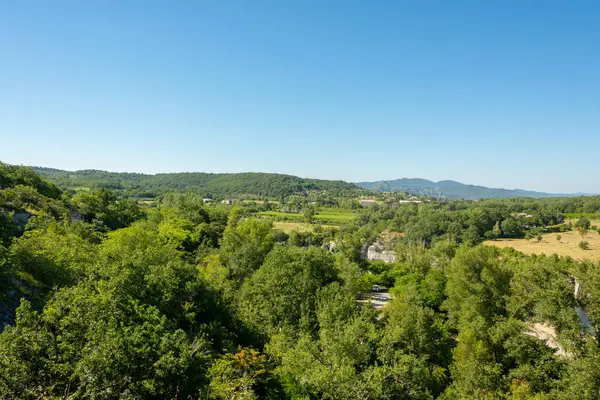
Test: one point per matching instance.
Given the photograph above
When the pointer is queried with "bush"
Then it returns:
(558, 237)
(583, 222)
(584, 245)
(529, 236)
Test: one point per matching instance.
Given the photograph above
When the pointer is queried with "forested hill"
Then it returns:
(450, 189)
(218, 185)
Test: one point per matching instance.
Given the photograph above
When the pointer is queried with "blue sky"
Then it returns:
(499, 93)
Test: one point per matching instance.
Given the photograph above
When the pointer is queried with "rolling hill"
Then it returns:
(450, 189)
(221, 185)
(268, 185)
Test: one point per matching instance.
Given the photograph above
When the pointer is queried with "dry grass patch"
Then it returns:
(390, 236)
(288, 227)
(567, 246)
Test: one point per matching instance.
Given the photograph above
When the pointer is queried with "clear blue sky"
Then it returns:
(499, 93)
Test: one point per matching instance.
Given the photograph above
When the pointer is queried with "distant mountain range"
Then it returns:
(452, 189)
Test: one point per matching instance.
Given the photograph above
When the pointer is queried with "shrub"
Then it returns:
(584, 245)
(529, 236)
(558, 237)
(583, 222)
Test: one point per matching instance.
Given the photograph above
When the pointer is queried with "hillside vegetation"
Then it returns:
(101, 298)
(250, 184)
(449, 189)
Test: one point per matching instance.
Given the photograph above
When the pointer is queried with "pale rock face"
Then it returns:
(330, 246)
(377, 251)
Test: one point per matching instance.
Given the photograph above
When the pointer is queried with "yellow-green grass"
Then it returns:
(288, 227)
(593, 222)
(146, 203)
(335, 215)
(567, 246)
(283, 215)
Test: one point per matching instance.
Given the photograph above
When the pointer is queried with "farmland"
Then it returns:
(287, 227)
(323, 215)
(568, 245)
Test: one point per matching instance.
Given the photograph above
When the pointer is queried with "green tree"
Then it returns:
(511, 228)
(309, 213)
(102, 205)
(496, 231)
(477, 286)
(52, 255)
(282, 293)
(89, 342)
(239, 376)
(245, 247)
(583, 222)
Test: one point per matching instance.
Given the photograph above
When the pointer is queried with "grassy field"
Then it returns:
(288, 227)
(575, 217)
(333, 215)
(567, 246)
(282, 215)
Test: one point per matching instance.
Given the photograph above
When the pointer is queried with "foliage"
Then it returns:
(219, 185)
(583, 223)
(193, 300)
(282, 292)
(13, 175)
(103, 206)
(243, 375)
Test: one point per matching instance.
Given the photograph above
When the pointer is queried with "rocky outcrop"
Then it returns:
(330, 246)
(547, 334)
(377, 251)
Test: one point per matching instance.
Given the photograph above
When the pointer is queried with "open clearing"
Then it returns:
(288, 227)
(283, 215)
(567, 246)
(334, 215)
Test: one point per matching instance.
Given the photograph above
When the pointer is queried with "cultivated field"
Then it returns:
(288, 227)
(333, 215)
(567, 246)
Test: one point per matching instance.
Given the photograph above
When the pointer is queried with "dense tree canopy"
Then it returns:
(103, 298)
(220, 185)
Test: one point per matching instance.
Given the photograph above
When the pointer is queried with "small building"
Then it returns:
(227, 202)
